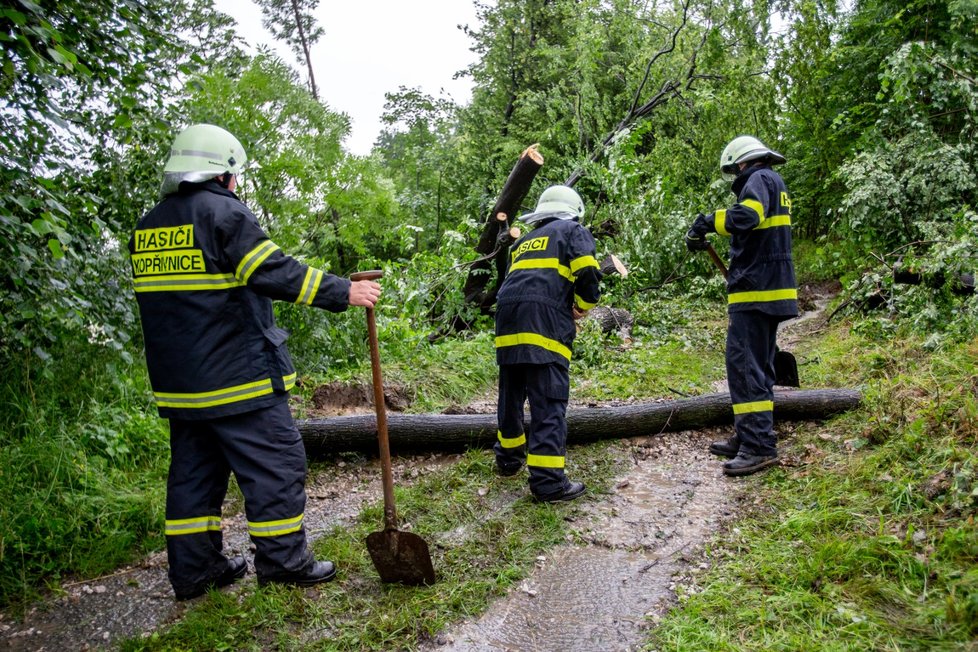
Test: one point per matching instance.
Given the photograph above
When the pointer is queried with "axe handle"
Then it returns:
(716, 259)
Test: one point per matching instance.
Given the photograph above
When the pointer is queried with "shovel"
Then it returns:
(398, 556)
(785, 365)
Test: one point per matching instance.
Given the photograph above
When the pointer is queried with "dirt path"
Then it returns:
(635, 544)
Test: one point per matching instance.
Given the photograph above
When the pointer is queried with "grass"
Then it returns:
(81, 466)
(873, 544)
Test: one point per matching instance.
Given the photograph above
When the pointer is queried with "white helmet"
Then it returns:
(561, 202)
(741, 150)
(201, 152)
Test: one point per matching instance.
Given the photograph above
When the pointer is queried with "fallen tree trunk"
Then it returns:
(457, 432)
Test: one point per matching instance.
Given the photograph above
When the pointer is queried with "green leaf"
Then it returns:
(15, 17)
(59, 57)
(122, 121)
(41, 227)
(56, 249)
(67, 54)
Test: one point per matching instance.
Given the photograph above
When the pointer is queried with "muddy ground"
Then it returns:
(625, 556)
(631, 548)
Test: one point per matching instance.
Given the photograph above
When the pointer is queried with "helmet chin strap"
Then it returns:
(225, 180)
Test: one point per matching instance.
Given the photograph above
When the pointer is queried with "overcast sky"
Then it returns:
(372, 47)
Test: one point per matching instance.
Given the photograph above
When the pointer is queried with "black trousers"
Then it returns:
(547, 387)
(751, 343)
(264, 450)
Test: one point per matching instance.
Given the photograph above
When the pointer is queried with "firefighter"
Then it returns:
(761, 293)
(553, 280)
(205, 275)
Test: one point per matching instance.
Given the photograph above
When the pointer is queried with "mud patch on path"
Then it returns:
(598, 594)
(336, 398)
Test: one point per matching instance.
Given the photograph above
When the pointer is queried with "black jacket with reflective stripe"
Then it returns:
(551, 268)
(205, 274)
(761, 274)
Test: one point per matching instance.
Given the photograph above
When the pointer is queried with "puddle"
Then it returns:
(598, 595)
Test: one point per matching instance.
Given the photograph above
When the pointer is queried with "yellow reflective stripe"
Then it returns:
(762, 296)
(775, 220)
(580, 263)
(184, 282)
(251, 260)
(755, 206)
(754, 406)
(720, 221)
(582, 304)
(545, 461)
(310, 286)
(534, 340)
(176, 527)
(221, 396)
(275, 528)
(543, 263)
(510, 442)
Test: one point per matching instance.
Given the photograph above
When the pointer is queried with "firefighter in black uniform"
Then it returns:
(761, 293)
(553, 279)
(205, 274)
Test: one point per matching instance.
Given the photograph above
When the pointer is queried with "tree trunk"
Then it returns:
(305, 49)
(456, 432)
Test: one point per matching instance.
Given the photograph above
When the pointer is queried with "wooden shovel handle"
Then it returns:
(716, 259)
(372, 275)
(390, 513)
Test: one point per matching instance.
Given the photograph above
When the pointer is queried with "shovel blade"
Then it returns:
(785, 369)
(401, 557)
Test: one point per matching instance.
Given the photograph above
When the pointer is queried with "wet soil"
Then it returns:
(627, 551)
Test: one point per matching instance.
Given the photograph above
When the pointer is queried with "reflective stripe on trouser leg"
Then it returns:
(751, 338)
(547, 388)
(510, 446)
(265, 451)
(195, 489)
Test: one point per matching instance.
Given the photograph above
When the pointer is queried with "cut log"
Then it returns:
(458, 432)
(611, 265)
(613, 320)
(507, 205)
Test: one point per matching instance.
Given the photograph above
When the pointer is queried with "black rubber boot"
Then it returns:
(727, 447)
(747, 464)
(573, 490)
(507, 471)
(316, 573)
(237, 567)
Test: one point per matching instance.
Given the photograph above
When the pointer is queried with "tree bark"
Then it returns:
(457, 432)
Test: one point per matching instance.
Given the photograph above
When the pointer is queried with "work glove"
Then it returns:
(696, 236)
